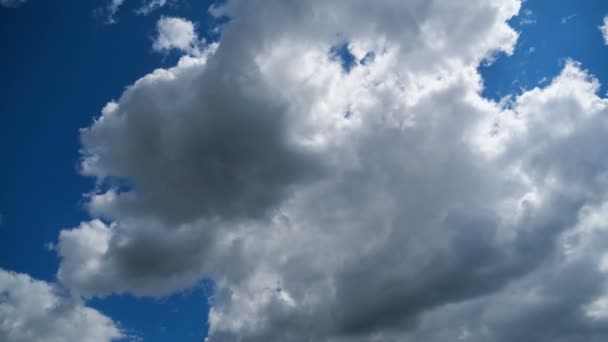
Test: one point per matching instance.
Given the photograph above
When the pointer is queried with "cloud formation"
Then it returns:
(33, 310)
(388, 201)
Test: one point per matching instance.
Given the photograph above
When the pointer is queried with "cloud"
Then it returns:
(33, 310)
(388, 203)
(152, 5)
(111, 10)
(12, 3)
(176, 33)
(568, 18)
(604, 29)
(113, 7)
(527, 17)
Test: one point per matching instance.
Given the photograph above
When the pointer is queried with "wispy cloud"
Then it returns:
(12, 3)
(567, 18)
(604, 29)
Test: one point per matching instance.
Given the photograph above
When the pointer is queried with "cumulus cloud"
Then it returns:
(604, 29)
(386, 202)
(33, 310)
(176, 33)
(12, 3)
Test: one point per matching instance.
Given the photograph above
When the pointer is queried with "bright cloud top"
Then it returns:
(386, 201)
(33, 310)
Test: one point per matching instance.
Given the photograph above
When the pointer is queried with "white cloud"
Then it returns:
(33, 310)
(415, 217)
(151, 5)
(604, 29)
(567, 18)
(176, 33)
(527, 17)
(12, 3)
(112, 10)
(114, 6)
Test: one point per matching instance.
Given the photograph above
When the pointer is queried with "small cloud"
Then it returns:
(566, 19)
(150, 6)
(531, 50)
(12, 3)
(109, 12)
(604, 29)
(49, 246)
(176, 34)
(113, 6)
(527, 18)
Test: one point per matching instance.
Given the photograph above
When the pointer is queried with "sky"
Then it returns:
(339, 171)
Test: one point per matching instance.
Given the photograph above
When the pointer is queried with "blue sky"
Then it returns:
(61, 62)
(550, 33)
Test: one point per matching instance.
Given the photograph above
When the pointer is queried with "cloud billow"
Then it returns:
(427, 213)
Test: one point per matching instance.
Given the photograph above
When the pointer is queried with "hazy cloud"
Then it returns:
(12, 3)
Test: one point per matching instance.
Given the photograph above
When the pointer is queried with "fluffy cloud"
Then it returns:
(33, 310)
(384, 202)
(176, 33)
(12, 3)
(604, 29)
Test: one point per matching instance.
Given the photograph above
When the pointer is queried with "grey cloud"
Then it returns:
(144, 255)
(194, 152)
(438, 250)
(549, 304)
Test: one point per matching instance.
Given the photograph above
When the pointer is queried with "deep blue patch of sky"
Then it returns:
(60, 64)
(341, 53)
(550, 33)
